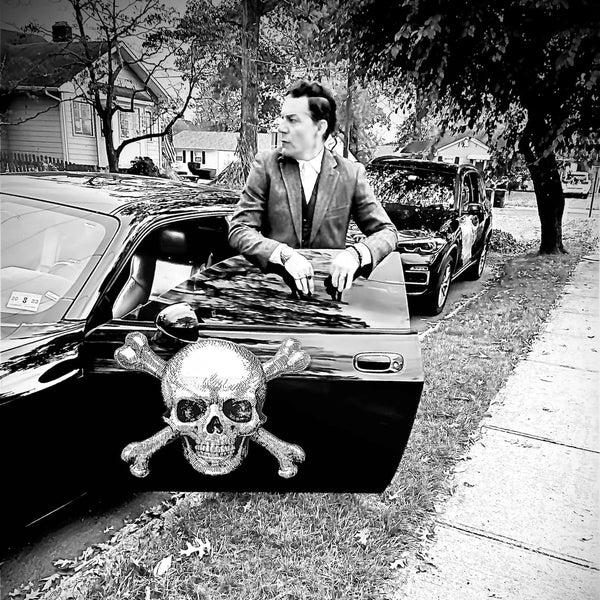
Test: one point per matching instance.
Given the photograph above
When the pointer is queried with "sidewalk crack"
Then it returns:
(508, 541)
(537, 437)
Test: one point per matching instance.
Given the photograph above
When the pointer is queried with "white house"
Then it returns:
(213, 149)
(49, 116)
(457, 149)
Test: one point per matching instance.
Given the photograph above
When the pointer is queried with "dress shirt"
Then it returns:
(309, 171)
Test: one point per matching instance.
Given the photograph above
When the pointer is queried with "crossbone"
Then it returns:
(137, 355)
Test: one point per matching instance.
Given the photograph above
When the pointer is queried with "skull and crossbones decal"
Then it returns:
(214, 391)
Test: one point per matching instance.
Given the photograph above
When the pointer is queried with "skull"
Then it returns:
(215, 391)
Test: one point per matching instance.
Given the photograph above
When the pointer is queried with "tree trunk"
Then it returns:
(247, 144)
(536, 147)
(111, 154)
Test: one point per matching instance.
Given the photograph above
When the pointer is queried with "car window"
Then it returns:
(166, 257)
(47, 253)
(475, 188)
(235, 293)
(466, 194)
(412, 187)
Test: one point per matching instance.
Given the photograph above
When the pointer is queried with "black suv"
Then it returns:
(444, 222)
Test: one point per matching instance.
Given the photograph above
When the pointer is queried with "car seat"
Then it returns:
(174, 245)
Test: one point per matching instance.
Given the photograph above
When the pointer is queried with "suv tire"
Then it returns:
(435, 300)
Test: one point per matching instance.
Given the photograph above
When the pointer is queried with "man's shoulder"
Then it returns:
(345, 165)
(269, 157)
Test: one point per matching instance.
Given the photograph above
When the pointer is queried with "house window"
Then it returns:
(82, 119)
(147, 125)
(127, 125)
(179, 157)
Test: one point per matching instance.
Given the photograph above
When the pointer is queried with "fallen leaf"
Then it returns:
(108, 529)
(147, 592)
(202, 548)
(16, 592)
(50, 581)
(64, 564)
(162, 566)
(363, 536)
(33, 595)
(399, 562)
(246, 506)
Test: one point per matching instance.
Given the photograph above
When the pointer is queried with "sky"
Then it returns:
(15, 14)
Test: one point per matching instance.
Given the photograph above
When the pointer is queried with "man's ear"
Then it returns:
(322, 126)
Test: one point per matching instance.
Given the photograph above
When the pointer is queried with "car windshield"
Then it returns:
(47, 253)
(413, 197)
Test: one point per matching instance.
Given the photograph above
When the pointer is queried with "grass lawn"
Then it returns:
(302, 546)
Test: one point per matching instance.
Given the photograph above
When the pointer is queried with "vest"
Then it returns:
(308, 210)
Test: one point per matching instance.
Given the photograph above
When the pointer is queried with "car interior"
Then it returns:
(167, 257)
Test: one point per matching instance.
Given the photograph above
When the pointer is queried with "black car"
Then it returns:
(444, 221)
(88, 259)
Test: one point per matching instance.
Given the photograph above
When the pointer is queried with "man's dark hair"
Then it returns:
(320, 102)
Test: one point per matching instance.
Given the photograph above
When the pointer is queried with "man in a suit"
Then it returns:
(302, 196)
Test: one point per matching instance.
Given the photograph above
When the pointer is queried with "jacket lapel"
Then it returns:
(325, 189)
(291, 180)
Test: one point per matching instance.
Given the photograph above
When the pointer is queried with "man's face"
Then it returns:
(301, 137)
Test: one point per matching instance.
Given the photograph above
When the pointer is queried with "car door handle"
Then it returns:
(378, 362)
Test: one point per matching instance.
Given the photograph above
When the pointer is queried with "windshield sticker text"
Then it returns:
(24, 301)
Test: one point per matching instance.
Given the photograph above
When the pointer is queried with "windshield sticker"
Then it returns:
(88, 224)
(24, 301)
(52, 296)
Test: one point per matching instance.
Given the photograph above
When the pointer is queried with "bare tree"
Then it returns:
(99, 52)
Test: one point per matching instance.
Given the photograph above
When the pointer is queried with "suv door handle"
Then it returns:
(378, 362)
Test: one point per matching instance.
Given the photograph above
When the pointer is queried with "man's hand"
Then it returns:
(342, 270)
(302, 272)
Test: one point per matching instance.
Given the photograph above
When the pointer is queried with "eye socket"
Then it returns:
(239, 411)
(190, 410)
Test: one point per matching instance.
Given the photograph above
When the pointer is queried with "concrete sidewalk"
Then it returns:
(523, 523)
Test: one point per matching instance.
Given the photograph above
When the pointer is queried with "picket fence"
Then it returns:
(20, 162)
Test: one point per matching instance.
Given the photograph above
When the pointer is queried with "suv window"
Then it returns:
(466, 193)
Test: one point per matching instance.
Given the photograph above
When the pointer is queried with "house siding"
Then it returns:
(40, 135)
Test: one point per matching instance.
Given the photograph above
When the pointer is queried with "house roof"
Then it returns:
(31, 61)
(215, 140)
(418, 147)
(42, 63)
(385, 150)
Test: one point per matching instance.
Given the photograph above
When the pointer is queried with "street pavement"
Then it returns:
(523, 523)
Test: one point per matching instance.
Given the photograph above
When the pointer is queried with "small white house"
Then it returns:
(457, 149)
(213, 149)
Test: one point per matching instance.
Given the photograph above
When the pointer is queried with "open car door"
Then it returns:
(350, 410)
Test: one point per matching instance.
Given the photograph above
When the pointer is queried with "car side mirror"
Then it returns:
(474, 209)
(179, 321)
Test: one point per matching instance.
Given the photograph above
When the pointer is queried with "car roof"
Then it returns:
(115, 193)
(418, 163)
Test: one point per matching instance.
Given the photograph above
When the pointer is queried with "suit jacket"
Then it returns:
(270, 208)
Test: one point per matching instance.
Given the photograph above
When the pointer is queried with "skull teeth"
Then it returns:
(215, 450)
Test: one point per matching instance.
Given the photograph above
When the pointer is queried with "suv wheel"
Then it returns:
(475, 271)
(436, 298)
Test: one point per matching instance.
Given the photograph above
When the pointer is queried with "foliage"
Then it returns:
(143, 165)
(526, 69)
